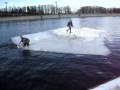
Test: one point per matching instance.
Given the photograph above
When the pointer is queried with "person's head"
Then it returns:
(70, 20)
(21, 36)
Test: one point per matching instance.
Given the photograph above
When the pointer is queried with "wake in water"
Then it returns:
(80, 41)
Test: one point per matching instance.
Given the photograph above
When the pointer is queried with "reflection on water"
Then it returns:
(30, 70)
(25, 53)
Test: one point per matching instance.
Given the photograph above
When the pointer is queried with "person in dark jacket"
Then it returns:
(70, 24)
(25, 41)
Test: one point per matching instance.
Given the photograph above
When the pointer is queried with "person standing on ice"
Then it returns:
(70, 24)
(25, 41)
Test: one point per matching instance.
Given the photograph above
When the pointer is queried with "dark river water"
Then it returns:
(38, 70)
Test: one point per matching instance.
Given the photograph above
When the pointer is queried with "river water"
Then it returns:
(38, 70)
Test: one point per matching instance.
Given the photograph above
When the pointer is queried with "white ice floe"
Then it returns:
(111, 85)
(80, 41)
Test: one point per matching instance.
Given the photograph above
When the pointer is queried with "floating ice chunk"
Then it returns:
(80, 41)
(111, 85)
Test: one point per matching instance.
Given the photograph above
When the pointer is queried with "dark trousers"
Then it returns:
(25, 44)
(69, 29)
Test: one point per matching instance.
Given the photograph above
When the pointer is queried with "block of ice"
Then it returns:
(111, 85)
(80, 41)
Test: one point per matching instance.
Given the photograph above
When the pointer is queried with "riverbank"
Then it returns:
(55, 16)
(38, 17)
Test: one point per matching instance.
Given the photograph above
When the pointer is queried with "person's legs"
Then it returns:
(67, 30)
(27, 44)
(70, 29)
(24, 44)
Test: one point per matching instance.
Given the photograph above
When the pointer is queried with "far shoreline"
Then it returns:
(40, 17)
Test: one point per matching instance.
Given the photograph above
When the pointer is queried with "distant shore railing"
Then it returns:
(34, 17)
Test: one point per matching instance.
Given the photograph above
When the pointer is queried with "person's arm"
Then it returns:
(20, 41)
(67, 24)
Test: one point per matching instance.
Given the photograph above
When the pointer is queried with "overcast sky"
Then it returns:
(74, 4)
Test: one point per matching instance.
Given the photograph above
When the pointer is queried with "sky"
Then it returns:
(74, 4)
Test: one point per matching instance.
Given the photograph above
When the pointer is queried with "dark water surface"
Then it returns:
(30, 70)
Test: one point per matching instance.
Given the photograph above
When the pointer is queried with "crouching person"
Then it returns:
(25, 41)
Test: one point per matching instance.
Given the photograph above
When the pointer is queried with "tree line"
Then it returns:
(98, 10)
(34, 10)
